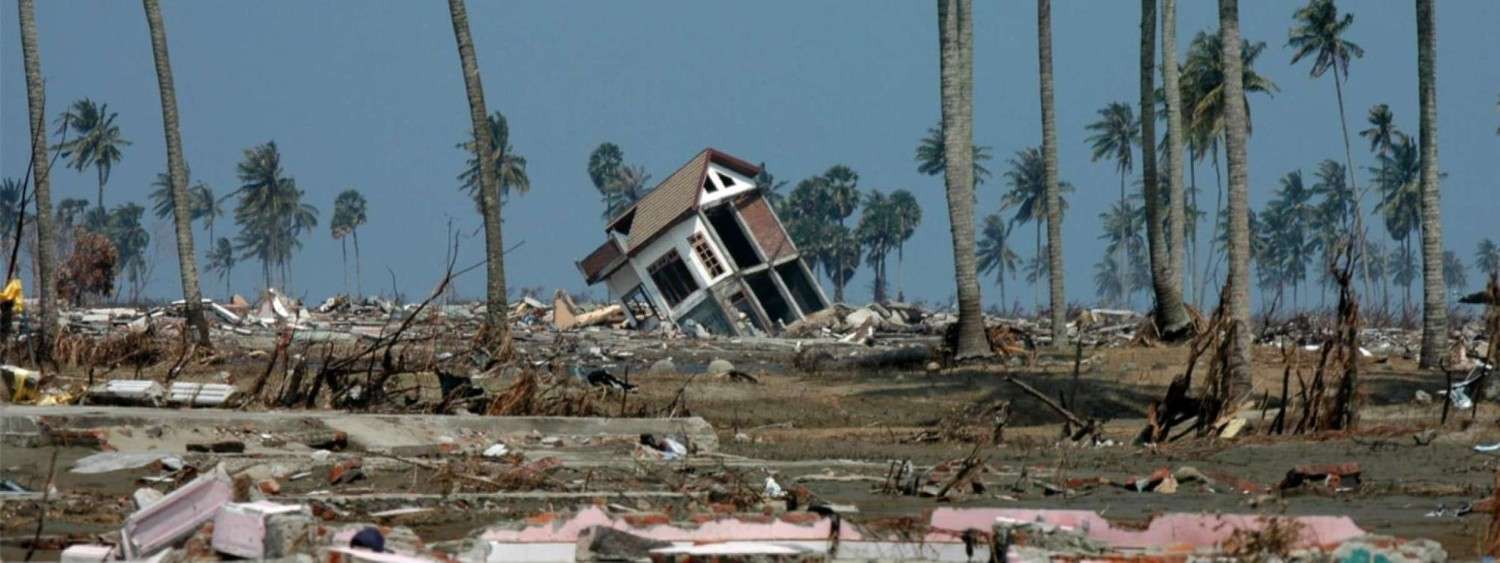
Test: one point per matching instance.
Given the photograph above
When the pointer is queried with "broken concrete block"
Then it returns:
(176, 515)
(132, 391)
(87, 553)
(144, 497)
(720, 366)
(262, 530)
(200, 394)
(602, 543)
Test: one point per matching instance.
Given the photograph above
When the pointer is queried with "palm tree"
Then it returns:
(70, 210)
(879, 232)
(509, 167)
(1434, 304)
(995, 254)
(177, 172)
(349, 214)
(956, 91)
(908, 215)
(221, 260)
(932, 159)
(1236, 131)
(1116, 131)
(1455, 273)
(131, 240)
(97, 140)
(1487, 257)
(202, 205)
(10, 210)
(1171, 315)
(840, 257)
(1176, 200)
(497, 334)
(270, 212)
(1027, 178)
(1404, 272)
(1382, 132)
(769, 187)
(1121, 225)
(1398, 179)
(1288, 220)
(36, 101)
(1053, 198)
(842, 185)
(604, 162)
(625, 187)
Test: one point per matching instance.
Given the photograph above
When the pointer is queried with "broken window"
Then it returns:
(800, 286)
(673, 278)
(770, 298)
(741, 304)
(640, 308)
(710, 316)
(706, 255)
(708, 184)
(725, 180)
(736, 243)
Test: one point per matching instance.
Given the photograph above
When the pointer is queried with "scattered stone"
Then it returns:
(720, 366)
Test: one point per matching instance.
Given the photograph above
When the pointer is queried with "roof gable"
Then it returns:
(675, 197)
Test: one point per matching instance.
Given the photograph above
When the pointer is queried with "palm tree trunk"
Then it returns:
(359, 283)
(1171, 315)
(177, 174)
(36, 101)
(900, 278)
(344, 259)
(496, 309)
(1238, 284)
(1176, 201)
(1120, 249)
(955, 34)
(1052, 194)
(1434, 288)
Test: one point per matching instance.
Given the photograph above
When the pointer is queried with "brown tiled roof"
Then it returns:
(675, 196)
(601, 261)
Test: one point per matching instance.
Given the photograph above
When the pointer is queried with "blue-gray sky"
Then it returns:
(369, 96)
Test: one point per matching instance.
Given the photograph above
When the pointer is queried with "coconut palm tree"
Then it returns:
(1026, 177)
(1115, 133)
(1398, 178)
(1291, 230)
(908, 215)
(1455, 273)
(131, 240)
(202, 205)
(932, 159)
(1176, 193)
(221, 260)
(1171, 315)
(1434, 302)
(177, 172)
(270, 212)
(349, 214)
(96, 140)
(1122, 225)
(995, 253)
(509, 167)
(1057, 299)
(497, 333)
(1236, 132)
(1404, 272)
(71, 210)
(956, 92)
(1382, 133)
(1487, 257)
(769, 187)
(36, 101)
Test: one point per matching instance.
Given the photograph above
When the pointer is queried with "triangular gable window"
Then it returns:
(708, 184)
(726, 180)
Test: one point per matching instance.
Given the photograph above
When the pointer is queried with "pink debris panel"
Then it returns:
(177, 514)
(1171, 531)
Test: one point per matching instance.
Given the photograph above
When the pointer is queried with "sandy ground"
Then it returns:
(835, 433)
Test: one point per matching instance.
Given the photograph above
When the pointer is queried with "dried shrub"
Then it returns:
(527, 396)
(89, 268)
(1276, 537)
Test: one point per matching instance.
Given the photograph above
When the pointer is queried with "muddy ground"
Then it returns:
(836, 432)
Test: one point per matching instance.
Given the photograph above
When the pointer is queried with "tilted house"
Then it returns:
(705, 246)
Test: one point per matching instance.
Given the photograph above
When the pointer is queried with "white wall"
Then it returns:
(676, 238)
(741, 185)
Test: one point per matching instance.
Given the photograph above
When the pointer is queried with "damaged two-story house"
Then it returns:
(705, 246)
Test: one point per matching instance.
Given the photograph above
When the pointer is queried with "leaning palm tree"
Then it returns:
(1434, 304)
(1171, 315)
(908, 215)
(497, 326)
(349, 213)
(36, 101)
(1115, 133)
(1236, 131)
(96, 141)
(932, 158)
(177, 172)
(956, 89)
(995, 253)
(1053, 192)
(509, 167)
